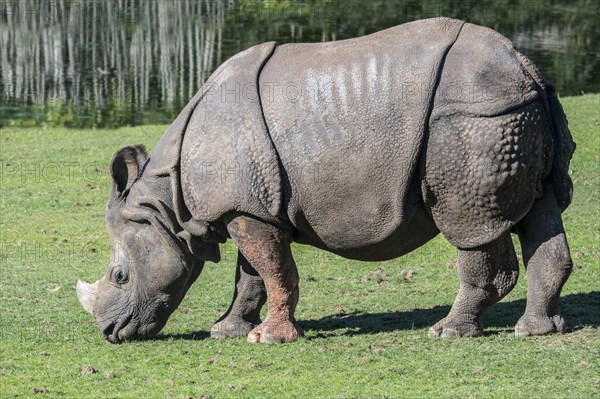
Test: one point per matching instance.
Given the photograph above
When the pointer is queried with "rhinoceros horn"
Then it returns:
(86, 293)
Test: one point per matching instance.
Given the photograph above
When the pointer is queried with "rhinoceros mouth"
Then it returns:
(114, 331)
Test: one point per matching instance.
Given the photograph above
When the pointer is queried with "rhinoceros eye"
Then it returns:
(118, 275)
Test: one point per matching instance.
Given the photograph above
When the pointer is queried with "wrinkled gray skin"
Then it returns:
(367, 148)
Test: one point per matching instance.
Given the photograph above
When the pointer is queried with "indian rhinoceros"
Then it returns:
(367, 148)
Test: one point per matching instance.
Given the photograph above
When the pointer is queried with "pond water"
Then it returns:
(84, 63)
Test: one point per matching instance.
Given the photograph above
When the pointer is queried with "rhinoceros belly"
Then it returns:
(347, 120)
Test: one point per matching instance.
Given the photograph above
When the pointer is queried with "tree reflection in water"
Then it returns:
(84, 63)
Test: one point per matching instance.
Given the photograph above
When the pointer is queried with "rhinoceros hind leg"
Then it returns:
(248, 299)
(267, 249)
(487, 273)
(548, 262)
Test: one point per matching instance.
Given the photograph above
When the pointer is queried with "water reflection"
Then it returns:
(84, 63)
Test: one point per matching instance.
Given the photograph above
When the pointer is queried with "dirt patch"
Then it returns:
(407, 273)
(87, 370)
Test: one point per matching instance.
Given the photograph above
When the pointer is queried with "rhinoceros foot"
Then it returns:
(530, 324)
(456, 326)
(276, 332)
(232, 327)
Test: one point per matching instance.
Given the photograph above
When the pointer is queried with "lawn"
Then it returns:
(366, 323)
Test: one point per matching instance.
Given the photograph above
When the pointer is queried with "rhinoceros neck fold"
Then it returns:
(157, 199)
(164, 167)
(151, 197)
(160, 193)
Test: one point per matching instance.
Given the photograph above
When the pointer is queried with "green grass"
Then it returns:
(366, 323)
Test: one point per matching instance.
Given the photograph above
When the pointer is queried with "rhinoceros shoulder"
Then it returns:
(228, 162)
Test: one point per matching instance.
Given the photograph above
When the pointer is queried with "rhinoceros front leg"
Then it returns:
(548, 261)
(248, 299)
(487, 273)
(267, 248)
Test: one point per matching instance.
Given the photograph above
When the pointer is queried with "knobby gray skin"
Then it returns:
(367, 148)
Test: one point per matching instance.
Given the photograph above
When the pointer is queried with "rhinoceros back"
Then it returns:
(348, 120)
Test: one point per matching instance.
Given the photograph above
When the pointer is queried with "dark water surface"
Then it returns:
(85, 63)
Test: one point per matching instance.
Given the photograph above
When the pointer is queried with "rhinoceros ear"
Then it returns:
(125, 167)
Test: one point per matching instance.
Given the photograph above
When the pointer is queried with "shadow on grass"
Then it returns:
(579, 310)
(192, 336)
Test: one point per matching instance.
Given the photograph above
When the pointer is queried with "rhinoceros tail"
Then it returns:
(564, 146)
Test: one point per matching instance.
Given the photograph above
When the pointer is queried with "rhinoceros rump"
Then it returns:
(367, 148)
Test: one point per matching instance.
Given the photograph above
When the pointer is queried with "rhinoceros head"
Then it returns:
(153, 262)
